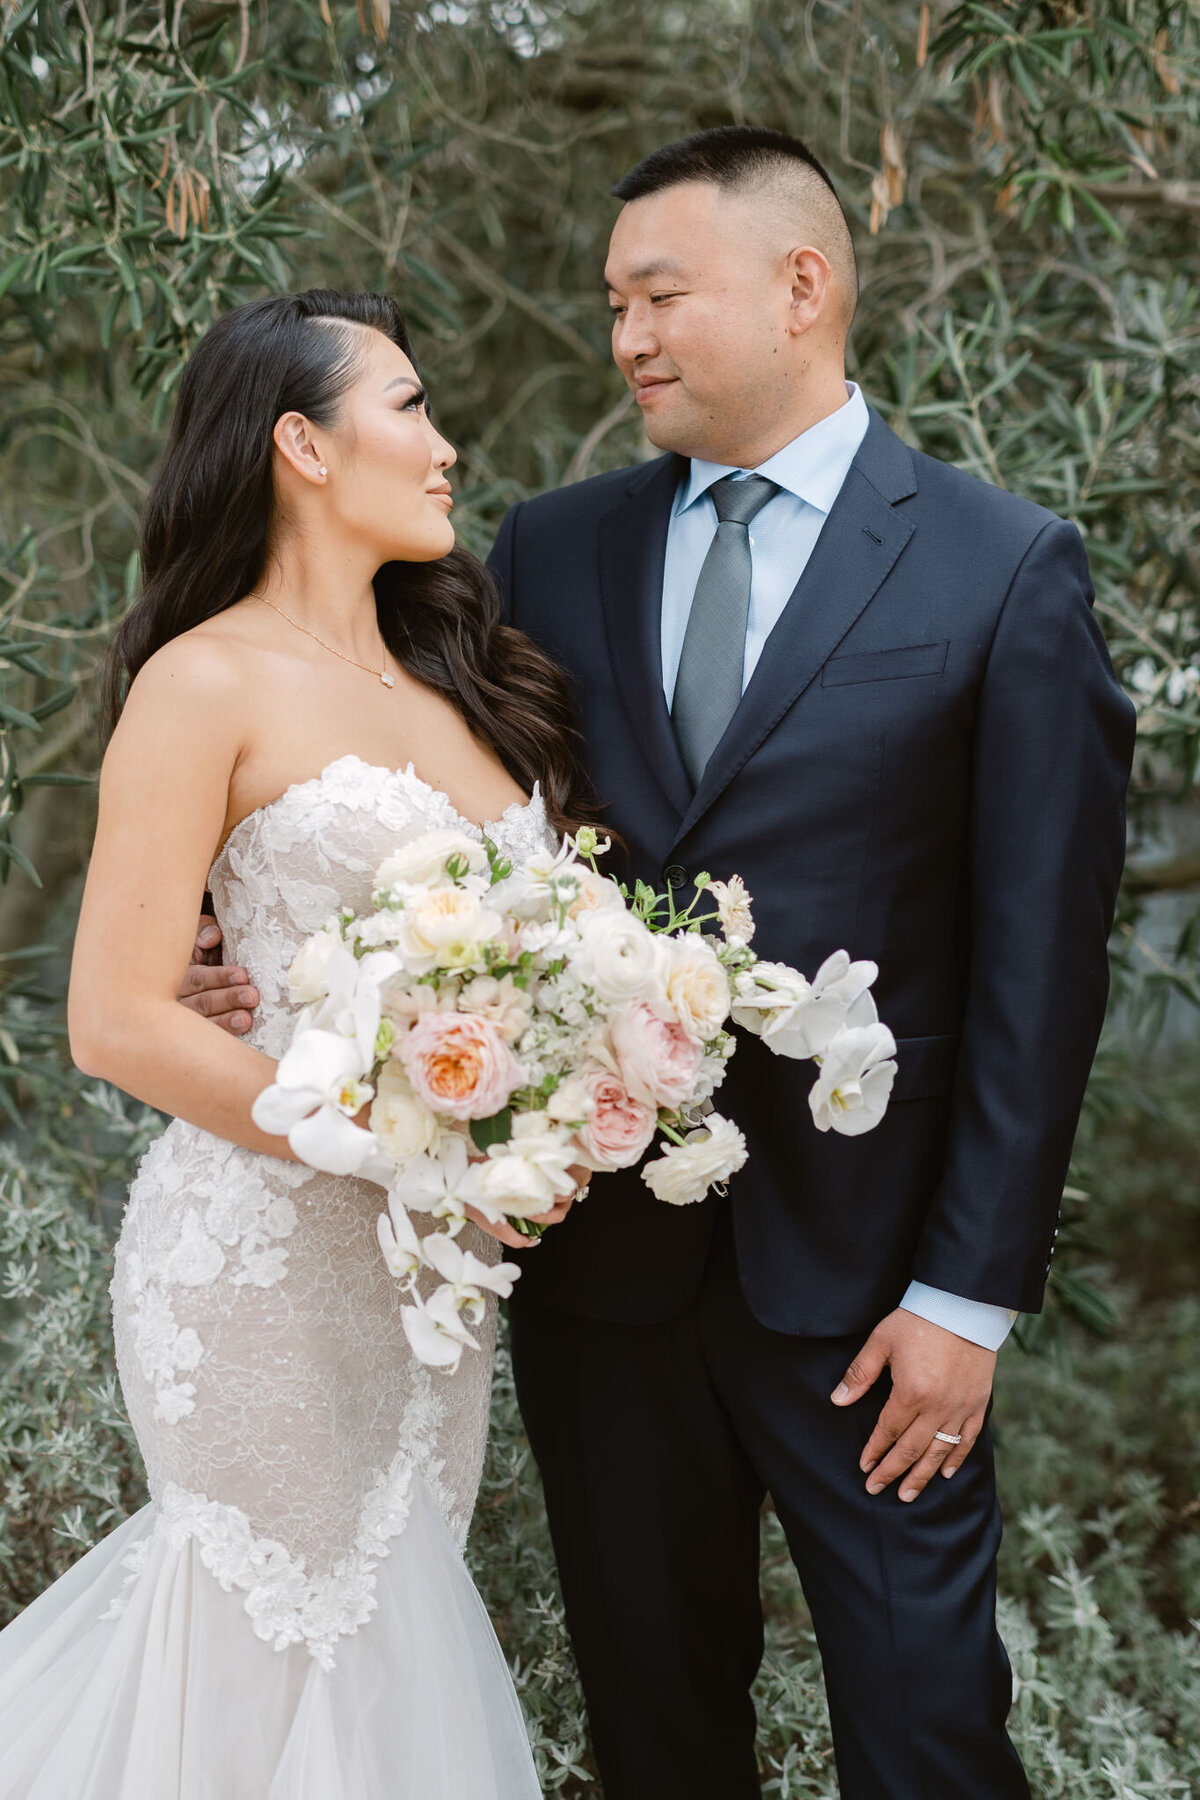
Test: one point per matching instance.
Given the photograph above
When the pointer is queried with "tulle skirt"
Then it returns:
(173, 1697)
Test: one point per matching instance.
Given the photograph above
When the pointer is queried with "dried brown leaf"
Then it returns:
(923, 36)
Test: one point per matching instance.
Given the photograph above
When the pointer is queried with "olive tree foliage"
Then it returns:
(1021, 182)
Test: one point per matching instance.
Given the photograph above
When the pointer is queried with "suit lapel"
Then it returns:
(633, 543)
(858, 547)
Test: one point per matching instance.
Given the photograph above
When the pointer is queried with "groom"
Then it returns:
(874, 688)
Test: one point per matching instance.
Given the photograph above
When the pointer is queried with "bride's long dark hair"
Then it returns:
(207, 522)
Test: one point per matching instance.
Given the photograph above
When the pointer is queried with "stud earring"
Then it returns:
(323, 470)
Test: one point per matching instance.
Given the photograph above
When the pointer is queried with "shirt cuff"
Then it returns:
(975, 1320)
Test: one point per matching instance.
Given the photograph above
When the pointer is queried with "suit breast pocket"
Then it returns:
(885, 665)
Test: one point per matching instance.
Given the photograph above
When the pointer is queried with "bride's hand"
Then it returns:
(506, 1233)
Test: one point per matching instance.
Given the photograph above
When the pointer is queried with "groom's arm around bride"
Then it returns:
(875, 688)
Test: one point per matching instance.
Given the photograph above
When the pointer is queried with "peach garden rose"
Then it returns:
(459, 1065)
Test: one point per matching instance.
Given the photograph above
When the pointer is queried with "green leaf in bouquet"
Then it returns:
(496, 1130)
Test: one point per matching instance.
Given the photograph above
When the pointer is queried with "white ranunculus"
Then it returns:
(618, 957)
(851, 1093)
(317, 1090)
(684, 1172)
(403, 1126)
(697, 987)
(307, 977)
(424, 860)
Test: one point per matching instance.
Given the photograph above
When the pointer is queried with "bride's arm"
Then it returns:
(164, 796)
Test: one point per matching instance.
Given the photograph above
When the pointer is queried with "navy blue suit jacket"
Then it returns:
(928, 768)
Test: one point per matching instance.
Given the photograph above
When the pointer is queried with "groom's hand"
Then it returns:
(226, 996)
(940, 1382)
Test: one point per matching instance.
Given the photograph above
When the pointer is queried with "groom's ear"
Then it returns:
(293, 435)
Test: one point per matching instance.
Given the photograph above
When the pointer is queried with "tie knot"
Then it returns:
(738, 501)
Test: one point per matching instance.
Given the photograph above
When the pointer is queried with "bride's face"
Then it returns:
(386, 485)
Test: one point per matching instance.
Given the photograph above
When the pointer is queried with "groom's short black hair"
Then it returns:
(730, 155)
(749, 158)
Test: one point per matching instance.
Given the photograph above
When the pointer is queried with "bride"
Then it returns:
(316, 675)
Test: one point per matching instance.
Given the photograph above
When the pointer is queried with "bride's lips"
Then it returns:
(648, 386)
(444, 494)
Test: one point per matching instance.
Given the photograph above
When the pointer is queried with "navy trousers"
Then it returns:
(657, 1444)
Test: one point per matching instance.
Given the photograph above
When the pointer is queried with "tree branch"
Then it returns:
(1159, 877)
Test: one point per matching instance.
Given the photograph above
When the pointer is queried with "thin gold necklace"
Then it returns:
(381, 674)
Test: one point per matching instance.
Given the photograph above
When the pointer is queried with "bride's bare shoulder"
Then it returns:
(217, 662)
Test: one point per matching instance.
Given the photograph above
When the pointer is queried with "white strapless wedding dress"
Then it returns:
(290, 1617)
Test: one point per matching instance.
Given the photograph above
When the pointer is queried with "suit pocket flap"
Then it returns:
(885, 665)
(924, 1067)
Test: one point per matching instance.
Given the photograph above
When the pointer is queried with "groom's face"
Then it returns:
(700, 314)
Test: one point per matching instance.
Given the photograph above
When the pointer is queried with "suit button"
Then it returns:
(675, 874)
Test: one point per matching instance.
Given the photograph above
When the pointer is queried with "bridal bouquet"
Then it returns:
(508, 1025)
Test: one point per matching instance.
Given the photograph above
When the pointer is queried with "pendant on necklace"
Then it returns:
(387, 680)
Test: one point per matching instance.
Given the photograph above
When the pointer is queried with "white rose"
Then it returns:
(546, 1145)
(403, 1126)
(697, 986)
(509, 1185)
(445, 928)
(684, 1173)
(618, 957)
(425, 859)
(307, 975)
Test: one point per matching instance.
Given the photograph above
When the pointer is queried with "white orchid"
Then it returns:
(352, 1006)
(851, 1093)
(466, 1276)
(797, 1018)
(398, 1240)
(318, 1088)
(436, 1331)
(443, 1183)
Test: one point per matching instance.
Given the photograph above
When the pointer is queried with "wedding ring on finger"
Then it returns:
(948, 1437)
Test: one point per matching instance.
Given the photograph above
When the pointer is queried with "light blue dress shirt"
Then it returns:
(809, 473)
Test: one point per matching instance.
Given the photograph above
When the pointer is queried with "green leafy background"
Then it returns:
(1022, 180)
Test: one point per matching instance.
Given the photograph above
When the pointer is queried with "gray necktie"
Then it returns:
(709, 684)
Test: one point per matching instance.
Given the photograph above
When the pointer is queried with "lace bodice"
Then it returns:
(286, 867)
(280, 1412)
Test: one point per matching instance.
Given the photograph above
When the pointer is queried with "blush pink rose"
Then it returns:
(620, 1128)
(659, 1059)
(459, 1065)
